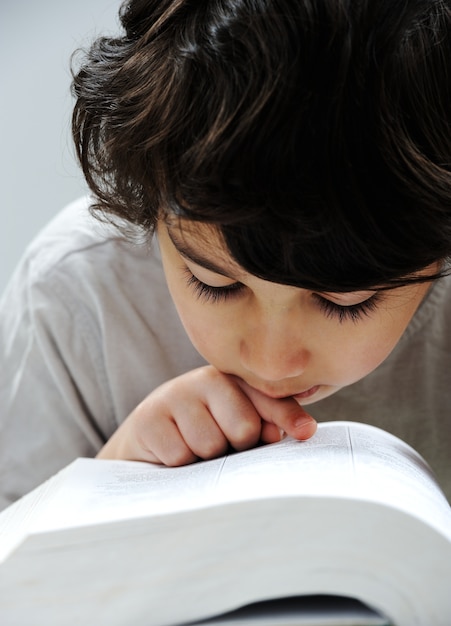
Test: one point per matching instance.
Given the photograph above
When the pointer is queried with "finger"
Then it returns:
(160, 440)
(201, 432)
(270, 433)
(285, 413)
(224, 404)
(292, 418)
(235, 414)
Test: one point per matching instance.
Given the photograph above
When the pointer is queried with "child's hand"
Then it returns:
(198, 415)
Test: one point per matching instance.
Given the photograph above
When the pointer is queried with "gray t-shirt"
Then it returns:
(88, 329)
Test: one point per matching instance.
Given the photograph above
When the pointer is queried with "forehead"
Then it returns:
(194, 232)
(201, 242)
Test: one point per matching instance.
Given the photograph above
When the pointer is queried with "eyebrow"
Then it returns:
(195, 257)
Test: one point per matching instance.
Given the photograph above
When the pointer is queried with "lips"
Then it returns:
(272, 393)
(302, 395)
(306, 394)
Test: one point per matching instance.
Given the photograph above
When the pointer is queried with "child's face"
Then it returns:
(282, 340)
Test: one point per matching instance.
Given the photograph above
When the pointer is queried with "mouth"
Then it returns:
(306, 394)
(302, 395)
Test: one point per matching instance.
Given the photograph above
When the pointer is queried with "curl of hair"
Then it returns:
(315, 134)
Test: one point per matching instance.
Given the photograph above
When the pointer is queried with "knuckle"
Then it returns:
(177, 458)
(246, 434)
(213, 449)
(209, 375)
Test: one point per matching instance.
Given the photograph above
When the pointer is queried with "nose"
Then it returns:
(274, 351)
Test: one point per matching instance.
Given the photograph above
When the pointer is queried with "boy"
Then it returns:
(278, 172)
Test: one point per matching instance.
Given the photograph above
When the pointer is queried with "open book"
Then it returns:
(352, 513)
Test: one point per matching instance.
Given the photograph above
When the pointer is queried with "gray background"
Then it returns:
(38, 172)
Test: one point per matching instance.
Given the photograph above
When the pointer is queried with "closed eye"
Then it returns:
(353, 312)
(210, 293)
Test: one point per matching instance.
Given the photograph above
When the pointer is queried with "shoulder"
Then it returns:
(95, 304)
(74, 235)
(78, 256)
(80, 273)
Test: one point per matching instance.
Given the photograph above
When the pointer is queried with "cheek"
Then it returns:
(198, 332)
(199, 319)
(348, 362)
(205, 328)
(363, 354)
(373, 355)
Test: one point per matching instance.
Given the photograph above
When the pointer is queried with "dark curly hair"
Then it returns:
(315, 134)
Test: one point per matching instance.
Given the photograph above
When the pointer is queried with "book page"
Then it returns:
(181, 533)
(388, 469)
(343, 459)
(348, 460)
(95, 491)
(19, 517)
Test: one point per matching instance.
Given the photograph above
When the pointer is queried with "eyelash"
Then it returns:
(353, 312)
(213, 294)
